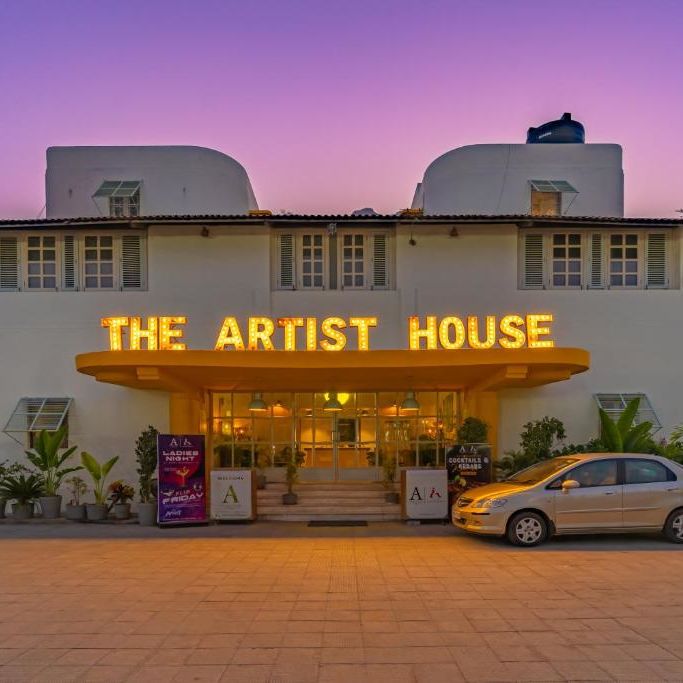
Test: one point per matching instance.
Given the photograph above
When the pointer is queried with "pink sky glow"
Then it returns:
(332, 106)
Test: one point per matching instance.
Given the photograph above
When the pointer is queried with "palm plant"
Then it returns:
(99, 473)
(45, 457)
(24, 489)
(623, 436)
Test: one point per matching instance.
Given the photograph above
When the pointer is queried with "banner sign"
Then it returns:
(468, 465)
(232, 494)
(182, 479)
(424, 493)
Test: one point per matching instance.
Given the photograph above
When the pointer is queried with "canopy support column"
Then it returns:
(184, 413)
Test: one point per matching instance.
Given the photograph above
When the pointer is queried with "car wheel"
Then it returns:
(527, 529)
(673, 529)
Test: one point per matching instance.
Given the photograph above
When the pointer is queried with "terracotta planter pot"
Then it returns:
(96, 512)
(51, 506)
(290, 498)
(76, 513)
(147, 514)
(122, 511)
(22, 510)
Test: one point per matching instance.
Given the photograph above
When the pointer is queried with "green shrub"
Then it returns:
(473, 430)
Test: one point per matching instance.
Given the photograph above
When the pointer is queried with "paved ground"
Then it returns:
(288, 604)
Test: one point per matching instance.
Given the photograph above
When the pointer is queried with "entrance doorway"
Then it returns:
(334, 436)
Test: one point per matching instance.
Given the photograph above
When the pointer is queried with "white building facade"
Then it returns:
(471, 264)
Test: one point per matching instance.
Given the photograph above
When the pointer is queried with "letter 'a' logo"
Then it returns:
(230, 494)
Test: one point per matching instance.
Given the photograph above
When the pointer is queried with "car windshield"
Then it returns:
(541, 470)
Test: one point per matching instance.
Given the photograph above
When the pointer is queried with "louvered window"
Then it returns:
(9, 263)
(596, 262)
(380, 261)
(133, 262)
(285, 261)
(318, 260)
(533, 262)
(637, 259)
(656, 266)
(69, 263)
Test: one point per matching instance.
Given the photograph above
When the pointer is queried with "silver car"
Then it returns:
(578, 494)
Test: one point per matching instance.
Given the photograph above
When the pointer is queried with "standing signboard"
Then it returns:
(182, 479)
(468, 465)
(424, 493)
(233, 494)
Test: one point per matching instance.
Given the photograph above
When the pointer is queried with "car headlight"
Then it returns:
(491, 503)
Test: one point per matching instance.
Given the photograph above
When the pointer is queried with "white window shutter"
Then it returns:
(69, 263)
(9, 263)
(133, 262)
(533, 262)
(656, 265)
(380, 261)
(285, 261)
(596, 274)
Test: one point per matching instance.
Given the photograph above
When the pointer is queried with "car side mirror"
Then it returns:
(570, 484)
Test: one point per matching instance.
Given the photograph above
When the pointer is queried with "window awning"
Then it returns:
(615, 404)
(36, 414)
(553, 186)
(118, 188)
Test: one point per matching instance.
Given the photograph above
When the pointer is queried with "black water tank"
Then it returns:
(557, 132)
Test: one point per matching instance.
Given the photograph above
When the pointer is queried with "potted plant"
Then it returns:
(389, 472)
(23, 489)
(5, 471)
(473, 430)
(97, 511)
(261, 464)
(146, 455)
(75, 510)
(45, 457)
(120, 495)
(293, 460)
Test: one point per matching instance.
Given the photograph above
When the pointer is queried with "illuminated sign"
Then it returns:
(163, 333)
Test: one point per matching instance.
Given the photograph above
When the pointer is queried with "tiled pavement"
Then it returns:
(425, 605)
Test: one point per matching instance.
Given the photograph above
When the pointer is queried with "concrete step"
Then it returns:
(329, 517)
(324, 495)
(335, 509)
(327, 501)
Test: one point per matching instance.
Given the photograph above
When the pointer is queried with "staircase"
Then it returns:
(327, 501)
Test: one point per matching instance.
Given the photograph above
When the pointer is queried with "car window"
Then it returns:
(646, 472)
(596, 473)
(540, 471)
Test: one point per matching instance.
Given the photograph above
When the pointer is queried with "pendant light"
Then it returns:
(332, 404)
(257, 404)
(409, 403)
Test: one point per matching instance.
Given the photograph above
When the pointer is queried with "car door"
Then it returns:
(651, 492)
(595, 504)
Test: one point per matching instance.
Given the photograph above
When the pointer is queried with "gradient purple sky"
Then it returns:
(332, 106)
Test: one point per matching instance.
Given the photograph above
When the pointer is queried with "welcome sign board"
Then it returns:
(233, 494)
